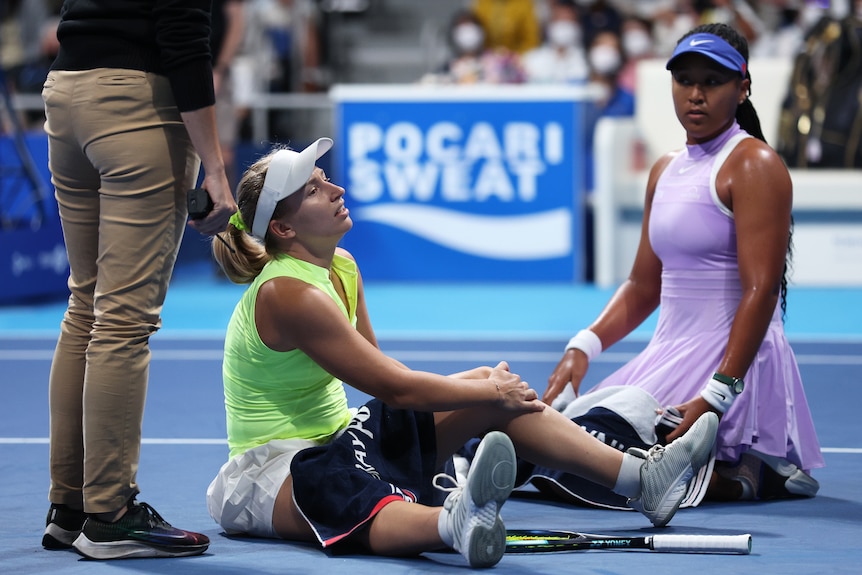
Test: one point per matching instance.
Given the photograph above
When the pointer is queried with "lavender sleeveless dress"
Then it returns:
(694, 235)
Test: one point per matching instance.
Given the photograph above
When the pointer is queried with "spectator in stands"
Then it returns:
(509, 24)
(38, 21)
(37, 41)
(285, 36)
(713, 258)
(226, 38)
(598, 16)
(11, 56)
(561, 58)
(670, 22)
(637, 45)
(786, 38)
(471, 61)
(736, 13)
(284, 48)
(605, 59)
(303, 467)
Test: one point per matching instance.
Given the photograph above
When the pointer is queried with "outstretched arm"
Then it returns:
(630, 305)
(313, 323)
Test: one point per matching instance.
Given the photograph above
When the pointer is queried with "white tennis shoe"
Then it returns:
(470, 521)
(666, 471)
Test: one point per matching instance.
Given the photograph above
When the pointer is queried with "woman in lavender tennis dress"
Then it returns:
(712, 258)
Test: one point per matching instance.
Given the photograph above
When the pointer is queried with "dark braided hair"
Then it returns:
(747, 118)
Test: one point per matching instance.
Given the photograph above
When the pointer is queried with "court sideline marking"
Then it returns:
(207, 441)
(441, 356)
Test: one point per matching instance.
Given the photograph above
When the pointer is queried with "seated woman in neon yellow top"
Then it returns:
(257, 393)
(303, 467)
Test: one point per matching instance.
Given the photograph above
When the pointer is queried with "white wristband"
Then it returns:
(586, 341)
(719, 395)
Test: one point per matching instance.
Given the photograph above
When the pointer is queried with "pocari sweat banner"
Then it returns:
(463, 183)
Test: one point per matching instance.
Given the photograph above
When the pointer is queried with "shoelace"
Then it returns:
(153, 517)
(451, 504)
(436, 480)
(655, 453)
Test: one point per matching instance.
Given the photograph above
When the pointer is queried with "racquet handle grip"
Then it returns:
(739, 544)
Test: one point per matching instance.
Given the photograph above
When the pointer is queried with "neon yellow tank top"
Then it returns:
(282, 395)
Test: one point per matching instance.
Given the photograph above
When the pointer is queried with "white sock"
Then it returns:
(629, 480)
(443, 528)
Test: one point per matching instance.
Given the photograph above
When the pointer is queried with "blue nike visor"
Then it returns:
(714, 48)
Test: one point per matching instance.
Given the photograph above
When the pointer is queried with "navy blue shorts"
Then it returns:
(384, 455)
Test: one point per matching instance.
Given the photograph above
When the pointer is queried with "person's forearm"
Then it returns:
(747, 332)
(629, 307)
(424, 391)
(201, 126)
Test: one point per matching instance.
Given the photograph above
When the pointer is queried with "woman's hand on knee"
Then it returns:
(514, 393)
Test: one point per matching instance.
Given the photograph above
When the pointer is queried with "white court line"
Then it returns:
(383, 334)
(436, 356)
(193, 441)
(147, 441)
(607, 357)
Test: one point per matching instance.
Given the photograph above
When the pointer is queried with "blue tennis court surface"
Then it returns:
(444, 329)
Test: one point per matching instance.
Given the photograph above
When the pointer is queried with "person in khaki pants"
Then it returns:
(129, 108)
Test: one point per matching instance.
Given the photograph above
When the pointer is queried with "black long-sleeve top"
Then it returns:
(166, 37)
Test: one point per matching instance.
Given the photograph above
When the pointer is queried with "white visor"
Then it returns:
(288, 172)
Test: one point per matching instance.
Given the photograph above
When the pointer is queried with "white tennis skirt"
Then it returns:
(241, 498)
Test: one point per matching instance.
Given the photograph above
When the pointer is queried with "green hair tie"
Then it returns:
(236, 220)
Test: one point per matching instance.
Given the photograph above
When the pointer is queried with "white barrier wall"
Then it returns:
(827, 208)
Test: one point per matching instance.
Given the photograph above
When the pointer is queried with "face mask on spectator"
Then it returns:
(637, 43)
(468, 37)
(605, 59)
(564, 34)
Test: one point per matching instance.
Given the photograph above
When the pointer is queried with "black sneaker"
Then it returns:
(62, 527)
(141, 532)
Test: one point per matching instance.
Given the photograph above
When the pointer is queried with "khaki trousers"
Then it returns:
(121, 162)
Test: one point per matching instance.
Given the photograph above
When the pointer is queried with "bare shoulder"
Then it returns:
(286, 297)
(756, 153)
(754, 177)
(288, 311)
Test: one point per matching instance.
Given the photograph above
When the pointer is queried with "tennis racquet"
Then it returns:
(550, 541)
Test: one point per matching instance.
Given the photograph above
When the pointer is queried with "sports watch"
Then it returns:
(736, 384)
